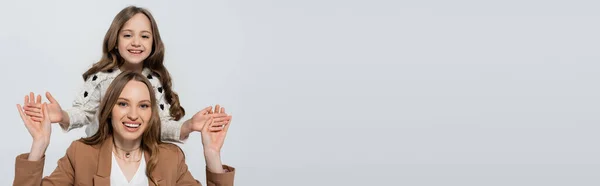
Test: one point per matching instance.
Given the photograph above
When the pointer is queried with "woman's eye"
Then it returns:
(126, 35)
(144, 105)
(123, 104)
(145, 37)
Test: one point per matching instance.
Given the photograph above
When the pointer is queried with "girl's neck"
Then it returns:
(132, 67)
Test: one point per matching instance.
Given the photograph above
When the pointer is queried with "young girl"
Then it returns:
(127, 149)
(132, 43)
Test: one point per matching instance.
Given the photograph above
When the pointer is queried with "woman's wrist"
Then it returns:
(212, 153)
(213, 161)
(38, 149)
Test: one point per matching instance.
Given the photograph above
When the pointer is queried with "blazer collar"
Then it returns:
(102, 176)
(155, 174)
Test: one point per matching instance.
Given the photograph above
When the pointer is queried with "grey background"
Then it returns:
(345, 92)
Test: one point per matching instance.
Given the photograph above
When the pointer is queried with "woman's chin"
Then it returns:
(130, 136)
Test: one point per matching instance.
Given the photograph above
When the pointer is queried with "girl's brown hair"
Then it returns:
(111, 58)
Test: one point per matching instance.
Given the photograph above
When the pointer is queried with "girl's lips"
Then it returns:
(135, 52)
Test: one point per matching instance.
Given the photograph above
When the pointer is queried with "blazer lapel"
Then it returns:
(101, 180)
(155, 174)
(102, 176)
(160, 182)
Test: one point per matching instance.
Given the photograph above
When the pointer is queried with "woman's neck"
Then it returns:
(132, 67)
(127, 145)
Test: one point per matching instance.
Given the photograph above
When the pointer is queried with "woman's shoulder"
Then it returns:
(169, 148)
(78, 150)
(169, 155)
(79, 145)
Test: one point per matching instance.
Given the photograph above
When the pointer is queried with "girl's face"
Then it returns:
(135, 39)
(132, 112)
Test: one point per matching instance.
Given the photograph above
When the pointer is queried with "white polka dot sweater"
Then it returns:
(85, 105)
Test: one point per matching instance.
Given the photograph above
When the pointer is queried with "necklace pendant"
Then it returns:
(127, 154)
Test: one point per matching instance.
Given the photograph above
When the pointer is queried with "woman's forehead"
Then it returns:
(135, 91)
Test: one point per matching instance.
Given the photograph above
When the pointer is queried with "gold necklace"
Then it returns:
(127, 160)
(127, 154)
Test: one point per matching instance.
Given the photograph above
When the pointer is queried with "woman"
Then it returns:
(127, 142)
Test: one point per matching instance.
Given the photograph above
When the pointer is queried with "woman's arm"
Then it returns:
(29, 172)
(212, 179)
(213, 137)
(39, 130)
(29, 167)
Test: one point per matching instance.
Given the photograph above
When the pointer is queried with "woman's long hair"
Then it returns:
(150, 137)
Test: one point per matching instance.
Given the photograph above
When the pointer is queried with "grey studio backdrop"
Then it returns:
(331, 92)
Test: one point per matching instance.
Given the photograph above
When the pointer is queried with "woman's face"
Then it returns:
(132, 112)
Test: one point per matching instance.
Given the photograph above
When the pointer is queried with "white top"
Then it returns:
(87, 103)
(117, 178)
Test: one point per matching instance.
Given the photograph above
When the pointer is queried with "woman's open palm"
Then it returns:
(39, 130)
(214, 133)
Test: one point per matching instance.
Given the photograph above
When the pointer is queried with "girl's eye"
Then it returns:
(122, 104)
(126, 35)
(145, 37)
(144, 105)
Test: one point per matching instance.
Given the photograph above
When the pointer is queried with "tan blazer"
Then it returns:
(89, 165)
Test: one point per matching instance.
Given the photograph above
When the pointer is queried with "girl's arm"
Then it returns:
(84, 106)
